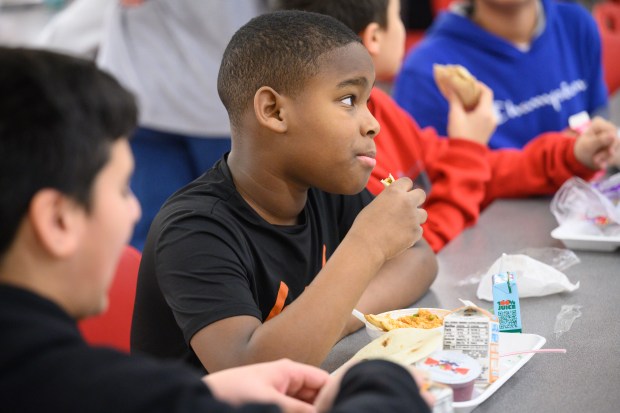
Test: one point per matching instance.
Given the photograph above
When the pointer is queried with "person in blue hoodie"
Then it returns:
(541, 58)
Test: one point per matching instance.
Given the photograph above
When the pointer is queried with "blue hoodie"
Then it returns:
(535, 91)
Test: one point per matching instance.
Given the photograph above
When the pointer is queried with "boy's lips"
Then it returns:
(368, 159)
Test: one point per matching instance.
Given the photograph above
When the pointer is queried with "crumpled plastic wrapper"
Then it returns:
(589, 208)
(534, 278)
(565, 318)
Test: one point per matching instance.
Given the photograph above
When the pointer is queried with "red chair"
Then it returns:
(440, 5)
(607, 16)
(113, 327)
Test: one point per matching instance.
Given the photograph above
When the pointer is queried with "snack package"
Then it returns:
(579, 122)
(474, 332)
(506, 302)
(593, 208)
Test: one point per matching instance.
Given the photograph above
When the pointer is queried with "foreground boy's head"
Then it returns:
(377, 22)
(296, 86)
(66, 210)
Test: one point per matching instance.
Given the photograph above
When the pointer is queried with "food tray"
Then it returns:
(508, 366)
(580, 241)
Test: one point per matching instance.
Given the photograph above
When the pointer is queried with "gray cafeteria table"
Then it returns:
(587, 377)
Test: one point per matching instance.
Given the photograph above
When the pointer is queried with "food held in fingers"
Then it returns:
(388, 181)
(458, 79)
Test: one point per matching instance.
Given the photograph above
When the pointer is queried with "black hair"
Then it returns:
(59, 116)
(281, 50)
(356, 14)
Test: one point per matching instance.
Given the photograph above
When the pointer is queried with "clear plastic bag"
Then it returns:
(558, 258)
(591, 207)
(564, 319)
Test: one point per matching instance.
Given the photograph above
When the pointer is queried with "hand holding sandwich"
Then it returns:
(471, 114)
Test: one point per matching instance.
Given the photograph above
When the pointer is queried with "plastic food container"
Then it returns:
(375, 332)
(455, 369)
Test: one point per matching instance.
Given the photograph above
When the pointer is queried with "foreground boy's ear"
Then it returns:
(371, 38)
(268, 107)
(57, 222)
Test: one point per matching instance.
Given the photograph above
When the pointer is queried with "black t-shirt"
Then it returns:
(210, 256)
(45, 366)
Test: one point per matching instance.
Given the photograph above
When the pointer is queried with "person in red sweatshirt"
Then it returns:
(460, 173)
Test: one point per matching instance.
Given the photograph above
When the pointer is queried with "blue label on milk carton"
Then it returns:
(506, 302)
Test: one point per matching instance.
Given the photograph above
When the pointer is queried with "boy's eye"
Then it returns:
(347, 100)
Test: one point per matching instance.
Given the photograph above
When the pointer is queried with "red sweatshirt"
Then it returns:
(465, 176)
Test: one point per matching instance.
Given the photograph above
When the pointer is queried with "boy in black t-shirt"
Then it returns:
(66, 213)
(266, 254)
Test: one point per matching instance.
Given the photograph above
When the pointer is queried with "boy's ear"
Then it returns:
(371, 36)
(269, 110)
(57, 222)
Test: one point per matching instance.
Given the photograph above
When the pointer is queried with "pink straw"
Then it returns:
(542, 350)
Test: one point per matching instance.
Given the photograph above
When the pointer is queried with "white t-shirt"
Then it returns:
(168, 53)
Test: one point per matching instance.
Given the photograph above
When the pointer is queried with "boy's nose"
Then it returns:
(137, 209)
(371, 125)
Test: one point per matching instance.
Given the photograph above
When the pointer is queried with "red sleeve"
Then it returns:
(459, 178)
(458, 169)
(540, 168)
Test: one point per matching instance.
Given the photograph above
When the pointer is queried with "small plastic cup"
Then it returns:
(455, 369)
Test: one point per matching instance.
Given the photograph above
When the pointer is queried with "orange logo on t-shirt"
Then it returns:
(280, 300)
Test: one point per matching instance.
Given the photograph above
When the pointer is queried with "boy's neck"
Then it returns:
(274, 199)
(516, 24)
(20, 268)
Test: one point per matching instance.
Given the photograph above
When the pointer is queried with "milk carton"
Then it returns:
(474, 332)
(506, 302)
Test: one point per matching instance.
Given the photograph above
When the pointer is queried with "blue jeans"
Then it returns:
(165, 162)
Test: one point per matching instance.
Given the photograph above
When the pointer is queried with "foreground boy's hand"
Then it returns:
(290, 385)
(326, 398)
(392, 221)
(477, 124)
(596, 147)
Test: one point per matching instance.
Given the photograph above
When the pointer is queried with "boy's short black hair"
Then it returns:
(281, 50)
(356, 14)
(59, 116)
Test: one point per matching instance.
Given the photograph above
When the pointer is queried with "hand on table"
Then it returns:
(598, 145)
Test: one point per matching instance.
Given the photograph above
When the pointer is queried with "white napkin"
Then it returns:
(534, 278)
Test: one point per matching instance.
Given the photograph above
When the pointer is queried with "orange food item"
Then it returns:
(423, 319)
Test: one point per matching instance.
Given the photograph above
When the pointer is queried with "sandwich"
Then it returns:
(458, 79)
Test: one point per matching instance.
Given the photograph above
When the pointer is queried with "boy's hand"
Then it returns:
(392, 222)
(325, 400)
(596, 147)
(477, 124)
(292, 386)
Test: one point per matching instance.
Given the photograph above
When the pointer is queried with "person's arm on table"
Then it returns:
(308, 328)
(292, 386)
(400, 282)
(375, 386)
(372, 386)
(546, 162)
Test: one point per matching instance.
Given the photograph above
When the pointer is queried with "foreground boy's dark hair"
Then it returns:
(59, 116)
(280, 50)
(356, 14)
